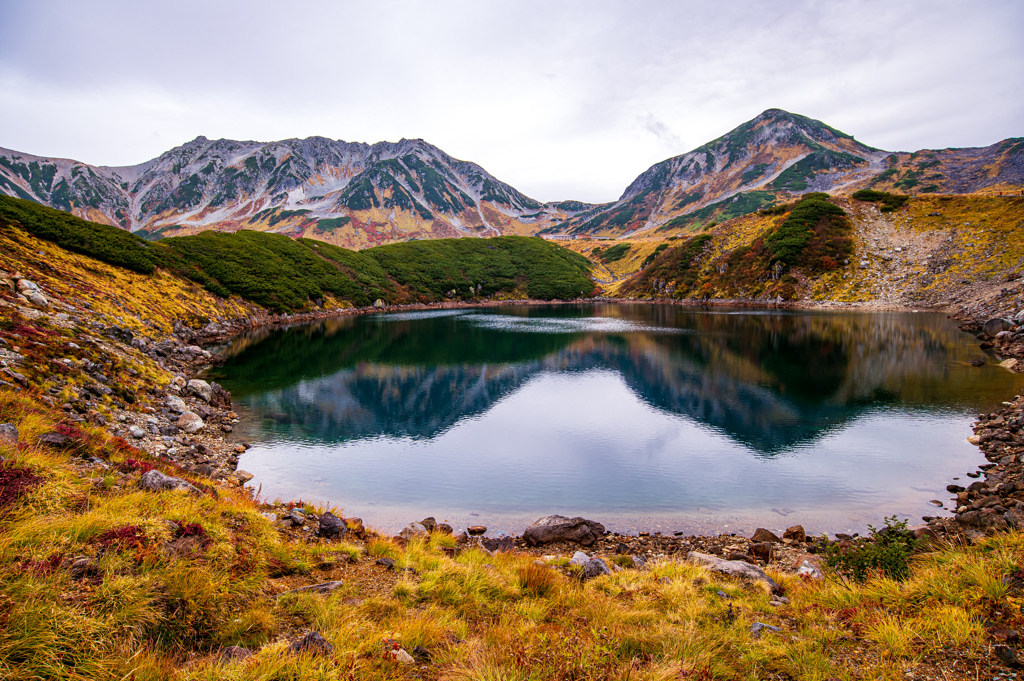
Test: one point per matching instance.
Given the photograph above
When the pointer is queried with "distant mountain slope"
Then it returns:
(780, 155)
(361, 195)
(350, 194)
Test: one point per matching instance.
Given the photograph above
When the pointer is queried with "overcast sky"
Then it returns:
(560, 99)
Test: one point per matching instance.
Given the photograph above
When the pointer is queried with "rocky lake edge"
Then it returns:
(191, 429)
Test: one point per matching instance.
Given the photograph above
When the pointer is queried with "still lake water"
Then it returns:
(644, 417)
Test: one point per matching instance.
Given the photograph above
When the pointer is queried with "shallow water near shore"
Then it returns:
(644, 417)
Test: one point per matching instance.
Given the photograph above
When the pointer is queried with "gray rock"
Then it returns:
(757, 627)
(8, 434)
(993, 326)
(313, 644)
(1019, 318)
(733, 568)
(37, 299)
(505, 544)
(810, 571)
(155, 481)
(559, 528)
(201, 389)
(190, 422)
(24, 285)
(243, 476)
(595, 568)
(55, 440)
(119, 333)
(176, 404)
(331, 526)
(639, 562)
(322, 588)
(297, 517)
(136, 432)
(413, 530)
(234, 654)
(579, 558)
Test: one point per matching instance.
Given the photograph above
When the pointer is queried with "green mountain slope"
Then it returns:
(283, 274)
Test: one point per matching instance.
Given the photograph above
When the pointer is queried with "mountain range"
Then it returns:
(360, 195)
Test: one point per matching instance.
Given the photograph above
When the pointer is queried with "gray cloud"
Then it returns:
(562, 100)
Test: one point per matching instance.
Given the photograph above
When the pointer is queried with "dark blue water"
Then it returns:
(640, 416)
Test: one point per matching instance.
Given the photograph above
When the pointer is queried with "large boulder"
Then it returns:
(176, 404)
(155, 481)
(190, 422)
(559, 528)
(200, 388)
(37, 299)
(993, 326)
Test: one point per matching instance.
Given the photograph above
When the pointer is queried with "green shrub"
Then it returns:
(108, 244)
(815, 229)
(886, 551)
(431, 269)
(890, 202)
(650, 258)
(616, 252)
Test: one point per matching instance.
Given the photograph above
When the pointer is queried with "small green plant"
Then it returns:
(616, 252)
(886, 552)
(890, 202)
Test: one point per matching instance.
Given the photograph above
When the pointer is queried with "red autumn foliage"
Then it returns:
(14, 482)
(134, 465)
(128, 536)
(72, 432)
(41, 568)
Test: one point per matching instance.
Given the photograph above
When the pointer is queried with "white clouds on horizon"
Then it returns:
(561, 100)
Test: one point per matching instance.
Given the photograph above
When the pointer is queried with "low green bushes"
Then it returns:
(890, 202)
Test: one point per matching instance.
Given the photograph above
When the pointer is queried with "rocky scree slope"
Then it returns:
(347, 193)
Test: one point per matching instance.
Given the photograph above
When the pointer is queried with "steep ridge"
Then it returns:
(350, 194)
(777, 156)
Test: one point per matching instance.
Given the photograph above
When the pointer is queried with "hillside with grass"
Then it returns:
(870, 247)
(106, 576)
(284, 274)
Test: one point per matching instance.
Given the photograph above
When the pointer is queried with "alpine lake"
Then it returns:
(642, 417)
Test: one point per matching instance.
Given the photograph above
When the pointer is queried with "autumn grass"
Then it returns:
(154, 607)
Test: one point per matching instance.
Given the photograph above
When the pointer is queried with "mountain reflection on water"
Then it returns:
(767, 380)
